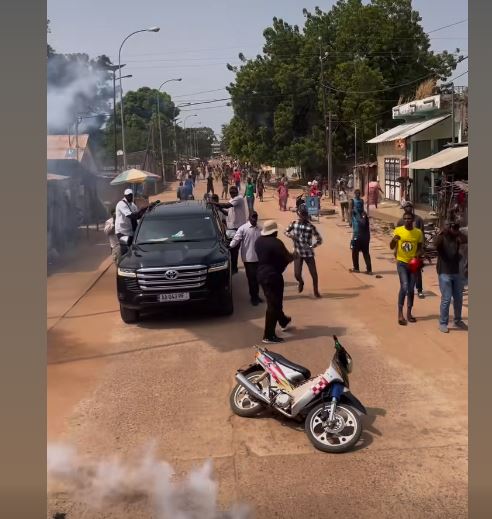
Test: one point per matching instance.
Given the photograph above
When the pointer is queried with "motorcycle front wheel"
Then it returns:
(240, 400)
(341, 437)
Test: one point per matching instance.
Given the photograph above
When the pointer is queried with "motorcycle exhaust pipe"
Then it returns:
(251, 389)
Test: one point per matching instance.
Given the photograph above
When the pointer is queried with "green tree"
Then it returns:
(372, 54)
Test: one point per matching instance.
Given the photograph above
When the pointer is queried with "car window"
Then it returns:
(176, 229)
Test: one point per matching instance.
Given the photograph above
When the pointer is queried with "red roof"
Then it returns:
(64, 146)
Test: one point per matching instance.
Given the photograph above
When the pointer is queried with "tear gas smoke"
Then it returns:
(100, 484)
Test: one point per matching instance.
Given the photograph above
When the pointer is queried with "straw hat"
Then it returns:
(269, 227)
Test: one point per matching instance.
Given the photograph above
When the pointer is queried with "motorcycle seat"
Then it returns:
(288, 364)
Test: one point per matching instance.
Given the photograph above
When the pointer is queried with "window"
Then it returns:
(172, 229)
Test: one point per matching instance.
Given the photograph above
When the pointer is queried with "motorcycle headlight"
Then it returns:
(126, 273)
(219, 266)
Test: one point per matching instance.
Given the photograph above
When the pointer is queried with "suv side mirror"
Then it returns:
(124, 240)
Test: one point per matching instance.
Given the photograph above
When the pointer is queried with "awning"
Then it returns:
(407, 130)
(441, 159)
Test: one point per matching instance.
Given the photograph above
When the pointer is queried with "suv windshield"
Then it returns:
(167, 229)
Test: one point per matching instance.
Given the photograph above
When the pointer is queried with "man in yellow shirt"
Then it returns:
(408, 242)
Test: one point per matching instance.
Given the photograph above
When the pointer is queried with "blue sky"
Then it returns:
(198, 37)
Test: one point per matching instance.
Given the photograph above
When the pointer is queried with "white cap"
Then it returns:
(128, 191)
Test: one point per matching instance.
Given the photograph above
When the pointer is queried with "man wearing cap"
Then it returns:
(127, 215)
(246, 237)
(418, 223)
(273, 258)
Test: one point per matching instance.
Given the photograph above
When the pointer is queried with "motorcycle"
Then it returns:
(330, 411)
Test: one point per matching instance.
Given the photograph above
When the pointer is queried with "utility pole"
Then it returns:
(355, 145)
(327, 124)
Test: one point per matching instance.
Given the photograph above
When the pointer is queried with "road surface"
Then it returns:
(112, 388)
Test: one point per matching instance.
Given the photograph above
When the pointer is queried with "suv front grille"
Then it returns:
(172, 278)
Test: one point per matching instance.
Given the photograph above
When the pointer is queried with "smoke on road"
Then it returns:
(105, 482)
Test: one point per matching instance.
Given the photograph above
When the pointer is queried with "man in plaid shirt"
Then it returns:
(302, 233)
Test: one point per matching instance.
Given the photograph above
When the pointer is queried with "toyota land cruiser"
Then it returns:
(179, 255)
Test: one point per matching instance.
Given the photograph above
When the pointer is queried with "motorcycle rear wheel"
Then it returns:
(327, 441)
(241, 402)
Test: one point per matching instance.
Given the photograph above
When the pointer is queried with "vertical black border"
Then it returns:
(480, 351)
(23, 260)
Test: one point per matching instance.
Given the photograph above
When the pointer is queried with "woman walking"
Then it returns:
(283, 195)
(249, 193)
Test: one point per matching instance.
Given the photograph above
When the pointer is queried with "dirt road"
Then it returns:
(113, 387)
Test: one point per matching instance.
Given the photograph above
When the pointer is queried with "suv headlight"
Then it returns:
(219, 266)
(126, 273)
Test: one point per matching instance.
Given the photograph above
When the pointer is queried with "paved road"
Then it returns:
(113, 387)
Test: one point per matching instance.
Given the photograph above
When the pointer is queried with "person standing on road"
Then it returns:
(373, 190)
(361, 236)
(344, 203)
(187, 192)
(109, 230)
(408, 242)
(302, 233)
(260, 187)
(236, 216)
(225, 184)
(249, 193)
(418, 223)
(451, 279)
(237, 179)
(127, 215)
(210, 182)
(246, 237)
(273, 258)
(356, 207)
(283, 195)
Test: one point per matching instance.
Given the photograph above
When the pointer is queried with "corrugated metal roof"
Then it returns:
(441, 159)
(61, 147)
(407, 130)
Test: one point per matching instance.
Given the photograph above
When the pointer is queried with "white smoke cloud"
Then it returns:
(109, 481)
(78, 83)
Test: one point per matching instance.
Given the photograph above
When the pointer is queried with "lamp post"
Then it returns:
(184, 128)
(327, 126)
(159, 123)
(150, 29)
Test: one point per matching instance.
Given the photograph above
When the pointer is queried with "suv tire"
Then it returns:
(225, 303)
(128, 315)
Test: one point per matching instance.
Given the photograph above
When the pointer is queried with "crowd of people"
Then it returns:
(265, 256)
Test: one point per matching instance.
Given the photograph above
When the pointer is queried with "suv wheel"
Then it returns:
(225, 303)
(128, 315)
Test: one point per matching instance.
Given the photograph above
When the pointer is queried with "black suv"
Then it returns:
(179, 255)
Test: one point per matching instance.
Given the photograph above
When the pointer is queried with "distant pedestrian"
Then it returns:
(373, 191)
(344, 202)
(210, 182)
(180, 192)
(225, 184)
(302, 232)
(260, 187)
(361, 236)
(109, 230)
(408, 242)
(273, 258)
(418, 223)
(283, 195)
(249, 193)
(246, 237)
(237, 179)
(451, 279)
(188, 185)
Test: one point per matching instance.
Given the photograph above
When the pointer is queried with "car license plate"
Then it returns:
(178, 296)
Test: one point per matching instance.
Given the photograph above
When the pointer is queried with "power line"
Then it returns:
(446, 26)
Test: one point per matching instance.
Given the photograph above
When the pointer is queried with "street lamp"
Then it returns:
(184, 128)
(159, 123)
(150, 29)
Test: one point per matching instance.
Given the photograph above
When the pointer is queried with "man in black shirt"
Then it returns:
(273, 258)
(418, 223)
(451, 280)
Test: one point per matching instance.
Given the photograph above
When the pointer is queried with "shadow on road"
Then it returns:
(325, 295)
